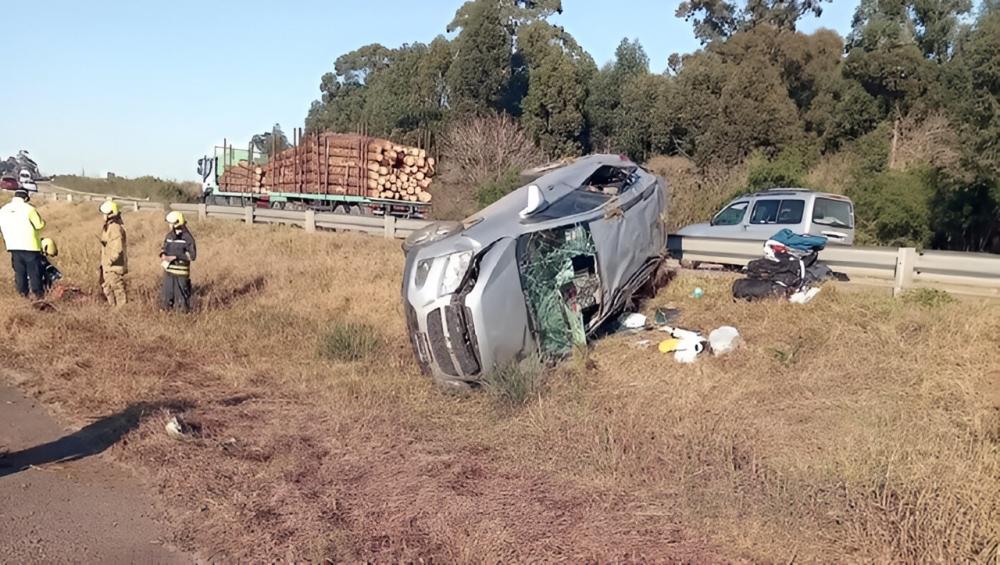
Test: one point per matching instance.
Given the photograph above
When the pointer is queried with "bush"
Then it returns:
(484, 149)
(894, 208)
(516, 383)
(147, 187)
(349, 341)
(494, 190)
(787, 170)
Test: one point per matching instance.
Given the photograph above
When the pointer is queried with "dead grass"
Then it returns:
(855, 428)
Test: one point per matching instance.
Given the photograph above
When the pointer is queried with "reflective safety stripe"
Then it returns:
(175, 269)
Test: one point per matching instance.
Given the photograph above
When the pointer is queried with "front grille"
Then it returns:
(459, 340)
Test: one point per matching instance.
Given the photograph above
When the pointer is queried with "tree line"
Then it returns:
(902, 114)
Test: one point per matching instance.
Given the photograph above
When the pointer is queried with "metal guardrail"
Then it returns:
(902, 269)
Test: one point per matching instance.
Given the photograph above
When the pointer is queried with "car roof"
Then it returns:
(794, 191)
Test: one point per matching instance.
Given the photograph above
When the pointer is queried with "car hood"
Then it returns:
(694, 230)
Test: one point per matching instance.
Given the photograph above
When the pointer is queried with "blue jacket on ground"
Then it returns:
(799, 241)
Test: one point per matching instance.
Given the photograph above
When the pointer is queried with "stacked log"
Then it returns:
(243, 177)
(352, 165)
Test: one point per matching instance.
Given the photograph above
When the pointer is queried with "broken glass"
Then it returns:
(558, 271)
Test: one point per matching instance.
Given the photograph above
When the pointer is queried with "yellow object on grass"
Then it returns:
(669, 345)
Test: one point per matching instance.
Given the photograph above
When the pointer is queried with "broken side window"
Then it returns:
(558, 269)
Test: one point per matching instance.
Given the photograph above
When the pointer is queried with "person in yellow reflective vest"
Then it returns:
(20, 225)
(114, 257)
(176, 255)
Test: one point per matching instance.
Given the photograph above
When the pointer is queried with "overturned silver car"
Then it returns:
(537, 272)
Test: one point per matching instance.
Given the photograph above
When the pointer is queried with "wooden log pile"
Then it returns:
(343, 164)
(243, 177)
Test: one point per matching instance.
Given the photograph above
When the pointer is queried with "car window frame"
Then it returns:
(777, 212)
(728, 206)
(850, 205)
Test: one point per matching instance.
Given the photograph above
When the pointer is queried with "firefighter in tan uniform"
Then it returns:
(114, 257)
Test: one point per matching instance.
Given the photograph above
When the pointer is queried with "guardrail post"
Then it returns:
(203, 211)
(69, 198)
(906, 260)
(248, 214)
(390, 226)
(135, 205)
(310, 221)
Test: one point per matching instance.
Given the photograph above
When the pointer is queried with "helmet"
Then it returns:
(175, 219)
(49, 247)
(109, 208)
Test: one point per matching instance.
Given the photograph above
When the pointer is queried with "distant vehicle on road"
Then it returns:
(26, 181)
(760, 215)
(9, 183)
(535, 273)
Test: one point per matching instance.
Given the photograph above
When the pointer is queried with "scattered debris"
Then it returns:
(178, 429)
(804, 296)
(685, 345)
(698, 292)
(724, 340)
(789, 267)
(665, 316)
(641, 344)
(632, 321)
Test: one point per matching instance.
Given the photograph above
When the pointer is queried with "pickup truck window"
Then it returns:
(732, 215)
(777, 212)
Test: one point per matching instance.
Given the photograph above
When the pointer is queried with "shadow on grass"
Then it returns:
(89, 440)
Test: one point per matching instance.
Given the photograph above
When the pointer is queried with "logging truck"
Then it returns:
(349, 174)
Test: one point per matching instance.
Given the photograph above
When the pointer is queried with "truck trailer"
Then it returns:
(342, 173)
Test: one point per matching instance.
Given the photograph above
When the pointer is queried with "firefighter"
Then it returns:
(114, 256)
(19, 225)
(176, 256)
(50, 274)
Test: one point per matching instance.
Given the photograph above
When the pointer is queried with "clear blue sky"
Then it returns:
(139, 88)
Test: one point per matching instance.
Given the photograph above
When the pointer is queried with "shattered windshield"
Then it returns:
(558, 269)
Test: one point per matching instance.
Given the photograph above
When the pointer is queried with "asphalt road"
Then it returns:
(62, 502)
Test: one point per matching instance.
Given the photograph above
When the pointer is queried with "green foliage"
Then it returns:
(482, 63)
(716, 20)
(894, 208)
(553, 110)
(787, 170)
(145, 188)
(515, 384)
(495, 189)
(350, 341)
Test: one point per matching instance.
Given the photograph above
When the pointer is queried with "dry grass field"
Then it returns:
(857, 428)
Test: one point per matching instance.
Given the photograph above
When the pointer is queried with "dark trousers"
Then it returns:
(28, 272)
(175, 293)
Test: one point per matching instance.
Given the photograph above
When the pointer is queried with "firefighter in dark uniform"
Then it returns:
(176, 256)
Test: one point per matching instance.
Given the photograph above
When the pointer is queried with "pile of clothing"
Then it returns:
(790, 268)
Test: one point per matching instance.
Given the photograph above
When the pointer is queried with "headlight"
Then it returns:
(423, 268)
(454, 271)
